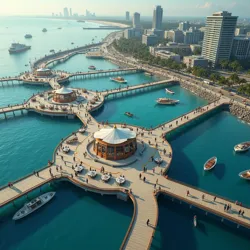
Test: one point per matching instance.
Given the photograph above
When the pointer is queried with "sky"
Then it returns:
(118, 7)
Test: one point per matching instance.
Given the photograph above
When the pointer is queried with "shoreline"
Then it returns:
(121, 25)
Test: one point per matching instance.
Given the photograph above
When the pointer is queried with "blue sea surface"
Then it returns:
(145, 109)
(74, 219)
(216, 136)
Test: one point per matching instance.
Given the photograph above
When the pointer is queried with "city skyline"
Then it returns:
(171, 8)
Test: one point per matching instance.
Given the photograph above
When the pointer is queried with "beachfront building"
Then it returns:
(219, 35)
(195, 61)
(64, 95)
(157, 17)
(115, 143)
(133, 33)
(43, 72)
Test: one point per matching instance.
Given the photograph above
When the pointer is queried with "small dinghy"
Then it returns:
(245, 174)
(242, 147)
(195, 221)
(33, 205)
(129, 114)
(169, 91)
(210, 163)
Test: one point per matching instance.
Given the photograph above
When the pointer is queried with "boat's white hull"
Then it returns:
(195, 222)
(242, 176)
(207, 169)
(114, 80)
(169, 92)
(239, 150)
(170, 104)
(24, 211)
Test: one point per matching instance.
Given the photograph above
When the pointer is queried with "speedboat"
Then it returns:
(33, 205)
(195, 221)
(72, 43)
(92, 67)
(44, 30)
(79, 169)
(158, 160)
(120, 180)
(169, 91)
(245, 174)
(106, 177)
(28, 36)
(167, 101)
(81, 130)
(129, 114)
(242, 147)
(118, 79)
(92, 173)
(18, 47)
(210, 163)
(65, 149)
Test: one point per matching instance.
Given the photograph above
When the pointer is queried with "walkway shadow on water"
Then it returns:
(13, 233)
(219, 170)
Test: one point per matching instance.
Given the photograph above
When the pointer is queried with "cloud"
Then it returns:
(207, 5)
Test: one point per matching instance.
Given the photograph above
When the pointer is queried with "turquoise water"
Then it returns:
(13, 29)
(81, 63)
(214, 137)
(146, 112)
(18, 93)
(74, 219)
(104, 83)
(28, 142)
(175, 230)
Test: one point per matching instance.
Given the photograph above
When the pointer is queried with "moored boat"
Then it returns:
(18, 47)
(169, 91)
(129, 114)
(210, 163)
(242, 147)
(118, 79)
(44, 30)
(167, 101)
(195, 221)
(28, 36)
(245, 174)
(92, 67)
(33, 205)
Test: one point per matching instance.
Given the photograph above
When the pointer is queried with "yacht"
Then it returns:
(118, 79)
(33, 205)
(18, 47)
(242, 147)
(169, 91)
(129, 114)
(210, 163)
(44, 30)
(245, 174)
(92, 67)
(28, 36)
(167, 101)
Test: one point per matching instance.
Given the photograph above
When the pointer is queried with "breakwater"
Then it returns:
(242, 112)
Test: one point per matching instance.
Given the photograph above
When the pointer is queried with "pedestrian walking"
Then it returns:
(140, 175)
(187, 192)
(203, 196)
(242, 213)
(225, 207)
(156, 181)
(147, 222)
(239, 212)
(214, 198)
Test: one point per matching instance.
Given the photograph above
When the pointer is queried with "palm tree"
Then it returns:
(234, 78)
(224, 64)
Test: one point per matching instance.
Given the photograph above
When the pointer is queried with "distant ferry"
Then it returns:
(18, 47)
(44, 30)
(118, 79)
(92, 67)
(28, 36)
(33, 205)
(169, 91)
(167, 101)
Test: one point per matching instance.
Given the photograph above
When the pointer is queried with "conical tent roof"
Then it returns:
(115, 135)
(64, 91)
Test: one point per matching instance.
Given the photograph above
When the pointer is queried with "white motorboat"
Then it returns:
(65, 149)
(92, 173)
(82, 130)
(210, 163)
(169, 91)
(28, 36)
(167, 101)
(106, 177)
(120, 180)
(79, 169)
(118, 79)
(242, 147)
(158, 160)
(195, 221)
(33, 205)
(18, 47)
(245, 174)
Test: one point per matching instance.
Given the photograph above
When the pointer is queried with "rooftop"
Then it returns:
(64, 91)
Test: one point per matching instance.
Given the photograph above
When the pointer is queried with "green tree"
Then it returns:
(224, 64)
(235, 65)
(234, 78)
